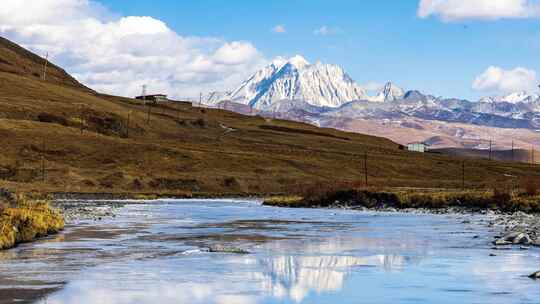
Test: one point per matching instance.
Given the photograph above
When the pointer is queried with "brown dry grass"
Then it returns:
(183, 150)
(503, 200)
(28, 220)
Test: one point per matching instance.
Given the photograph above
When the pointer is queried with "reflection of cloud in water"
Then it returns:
(319, 267)
(295, 276)
(283, 277)
(165, 293)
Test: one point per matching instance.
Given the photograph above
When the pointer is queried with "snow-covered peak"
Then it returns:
(389, 93)
(513, 98)
(322, 85)
(279, 62)
(298, 62)
(392, 92)
(519, 97)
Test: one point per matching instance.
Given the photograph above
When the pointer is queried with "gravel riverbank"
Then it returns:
(519, 228)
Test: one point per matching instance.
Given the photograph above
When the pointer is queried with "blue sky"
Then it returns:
(373, 40)
(436, 46)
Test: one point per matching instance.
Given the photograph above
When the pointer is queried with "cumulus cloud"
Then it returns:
(373, 86)
(117, 54)
(280, 29)
(324, 31)
(506, 81)
(452, 10)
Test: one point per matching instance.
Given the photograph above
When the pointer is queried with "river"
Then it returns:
(157, 253)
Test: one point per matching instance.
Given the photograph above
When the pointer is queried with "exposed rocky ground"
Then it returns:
(75, 211)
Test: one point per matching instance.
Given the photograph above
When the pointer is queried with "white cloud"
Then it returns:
(452, 10)
(323, 31)
(373, 86)
(280, 29)
(500, 80)
(118, 54)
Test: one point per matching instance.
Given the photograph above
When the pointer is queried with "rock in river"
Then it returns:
(535, 275)
(514, 238)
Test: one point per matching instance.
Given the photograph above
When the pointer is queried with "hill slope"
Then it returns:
(17, 60)
(61, 137)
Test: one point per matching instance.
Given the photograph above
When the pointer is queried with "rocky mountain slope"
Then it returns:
(320, 84)
(325, 94)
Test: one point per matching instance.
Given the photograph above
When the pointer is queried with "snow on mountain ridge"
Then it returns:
(319, 84)
(513, 98)
(390, 92)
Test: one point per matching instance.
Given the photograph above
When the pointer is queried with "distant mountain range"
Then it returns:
(324, 94)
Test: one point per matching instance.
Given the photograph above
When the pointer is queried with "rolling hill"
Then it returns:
(59, 136)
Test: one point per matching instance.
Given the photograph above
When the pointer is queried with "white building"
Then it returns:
(418, 147)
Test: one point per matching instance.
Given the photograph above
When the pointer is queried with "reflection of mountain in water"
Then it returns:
(296, 276)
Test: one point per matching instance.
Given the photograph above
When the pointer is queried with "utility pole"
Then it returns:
(146, 103)
(490, 149)
(532, 155)
(463, 175)
(365, 170)
(45, 66)
(148, 113)
(200, 100)
(513, 157)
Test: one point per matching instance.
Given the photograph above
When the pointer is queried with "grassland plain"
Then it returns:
(57, 136)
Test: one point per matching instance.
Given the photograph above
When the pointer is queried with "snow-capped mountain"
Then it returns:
(391, 92)
(322, 85)
(514, 98)
(324, 95)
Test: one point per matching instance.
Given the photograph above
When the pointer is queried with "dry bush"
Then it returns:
(530, 186)
(501, 195)
(319, 190)
(231, 182)
(201, 123)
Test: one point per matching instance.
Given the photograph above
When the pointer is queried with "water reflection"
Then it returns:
(297, 256)
(262, 277)
(294, 277)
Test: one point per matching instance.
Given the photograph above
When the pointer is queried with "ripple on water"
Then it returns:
(159, 253)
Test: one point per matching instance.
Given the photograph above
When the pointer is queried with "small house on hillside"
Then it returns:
(418, 147)
(153, 98)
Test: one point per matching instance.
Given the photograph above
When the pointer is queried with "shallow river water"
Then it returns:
(158, 253)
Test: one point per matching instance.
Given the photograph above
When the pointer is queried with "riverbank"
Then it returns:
(516, 214)
(23, 220)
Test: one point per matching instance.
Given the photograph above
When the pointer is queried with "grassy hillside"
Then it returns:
(16, 60)
(58, 136)
(518, 155)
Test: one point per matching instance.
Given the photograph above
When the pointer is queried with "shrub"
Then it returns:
(29, 220)
(231, 182)
(501, 196)
(199, 123)
(51, 118)
(530, 186)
